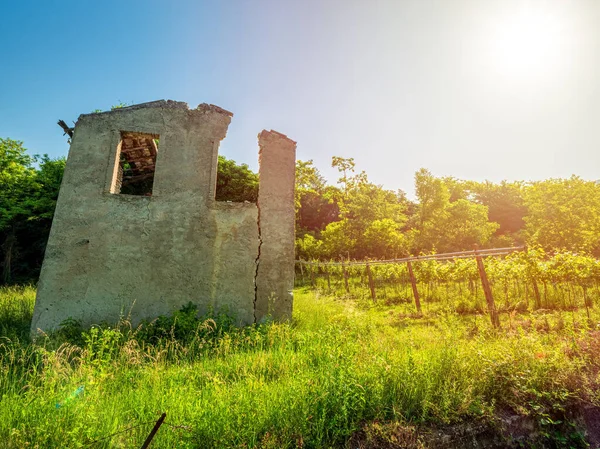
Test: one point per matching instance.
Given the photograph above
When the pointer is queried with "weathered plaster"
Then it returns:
(112, 255)
(275, 273)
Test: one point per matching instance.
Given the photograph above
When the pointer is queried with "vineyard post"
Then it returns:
(486, 289)
(536, 293)
(328, 279)
(345, 278)
(585, 301)
(302, 272)
(413, 283)
(536, 290)
(371, 283)
(312, 274)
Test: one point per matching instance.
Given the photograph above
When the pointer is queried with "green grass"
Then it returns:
(16, 310)
(310, 383)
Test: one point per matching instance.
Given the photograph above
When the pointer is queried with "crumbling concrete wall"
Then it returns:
(275, 273)
(112, 255)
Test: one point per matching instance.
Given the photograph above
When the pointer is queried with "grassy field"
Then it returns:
(338, 370)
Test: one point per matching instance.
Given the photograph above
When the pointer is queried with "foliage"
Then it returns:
(445, 225)
(354, 219)
(308, 247)
(313, 382)
(119, 105)
(235, 182)
(28, 196)
(564, 214)
(449, 215)
(316, 203)
(505, 204)
(370, 218)
(382, 238)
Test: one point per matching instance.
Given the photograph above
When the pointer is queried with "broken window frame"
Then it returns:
(136, 153)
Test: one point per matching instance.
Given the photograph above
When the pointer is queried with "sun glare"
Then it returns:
(528, 43)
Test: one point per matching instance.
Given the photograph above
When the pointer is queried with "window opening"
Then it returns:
(136, 159)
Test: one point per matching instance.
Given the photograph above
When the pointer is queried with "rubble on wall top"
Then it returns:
(276, 134)
(211, 107)
(165, 104)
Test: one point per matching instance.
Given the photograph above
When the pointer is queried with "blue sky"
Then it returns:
(477, 89)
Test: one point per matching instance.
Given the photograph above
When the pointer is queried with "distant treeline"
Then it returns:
(357, 219)
(354, 219)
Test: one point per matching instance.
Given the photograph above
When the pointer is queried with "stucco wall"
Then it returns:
(112, 254)
(275, 279)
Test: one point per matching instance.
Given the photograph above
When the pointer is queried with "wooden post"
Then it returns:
(346, 278)
(487, 290)
(536, 293)
(328, 279)
(302, 271)
(371, 283)
(585, 302)
(312, 275)
(153, 431)
(413, 283)
(536, 290)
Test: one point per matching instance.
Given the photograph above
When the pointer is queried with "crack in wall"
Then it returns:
(257, 260)
(202, 244)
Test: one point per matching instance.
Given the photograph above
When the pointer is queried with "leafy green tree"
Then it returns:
(17, 180)
(235, 182)
(369, 215)
(316, 202)
(27, 201)
(458, 189)
(465, 225)
(308, 177)
(564, 214)
(384, 239)
(443, 225)
(308, 247)
(505, 204)
(338, 240)
(345, 166)
(433, 196)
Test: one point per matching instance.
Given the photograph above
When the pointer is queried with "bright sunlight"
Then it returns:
(529, 43)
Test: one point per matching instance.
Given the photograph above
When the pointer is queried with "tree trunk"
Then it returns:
(7, 248)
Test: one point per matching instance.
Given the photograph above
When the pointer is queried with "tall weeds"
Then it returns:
(309, 383)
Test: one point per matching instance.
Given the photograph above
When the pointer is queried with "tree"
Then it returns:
(444, 225)
(308, 177)
(564, 214)
(368, 215)
(433, 196)
(465, 225)
(235, 182)
(27, 201)
(505, 204)
(384, 239)
(338, 241)
(316, 202)
(308, 247)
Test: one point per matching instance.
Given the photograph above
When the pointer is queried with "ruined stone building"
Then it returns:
(137, 230)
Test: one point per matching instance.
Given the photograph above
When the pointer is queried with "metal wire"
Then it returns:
(436, 257)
